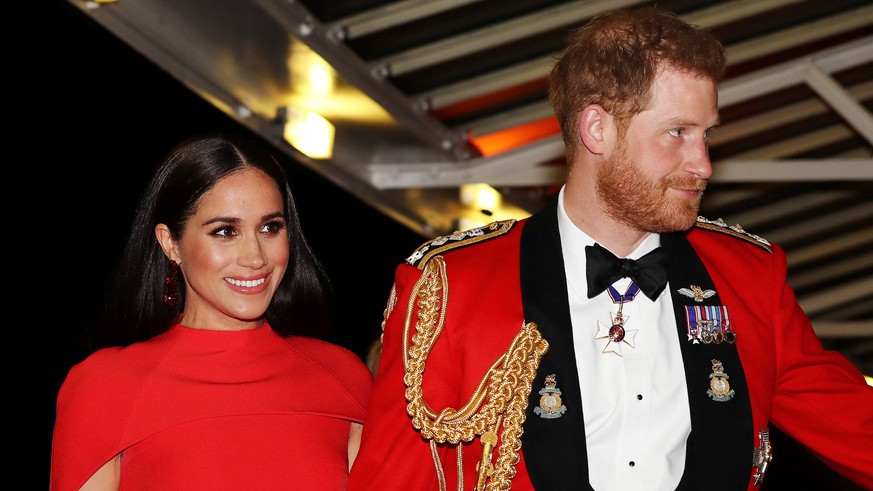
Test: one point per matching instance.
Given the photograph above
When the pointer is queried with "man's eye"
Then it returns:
(677, 133)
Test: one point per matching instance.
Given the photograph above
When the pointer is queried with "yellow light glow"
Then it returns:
(466, 223)
(309, 133)
(483, 205)
(316, 86)
(311, 76)
(320, 79)
(481, 197)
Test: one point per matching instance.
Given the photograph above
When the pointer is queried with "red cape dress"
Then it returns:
(197, 409)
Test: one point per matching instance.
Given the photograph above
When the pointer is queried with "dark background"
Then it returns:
(108, 117)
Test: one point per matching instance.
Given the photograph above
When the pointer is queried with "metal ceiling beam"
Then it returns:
(781, 116)
(843, 103)
(158, 36)
(837, 329)
(784, 149)
(508, 119)
(294, 17)
(728, 197)
(852, 311)
(833, 246)
(836, 217)
(494, 35)
(515, 168)
(721, 14)
(396, 13)
(801, 34)
(390, 15)
(740, 89)
(539, 68)
(823, 170)
(794, 72)
(844, 265)
(826, 299)
(788, 206)
(511, 76)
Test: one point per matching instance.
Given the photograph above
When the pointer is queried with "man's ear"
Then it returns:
(165, 238)
(594, 127)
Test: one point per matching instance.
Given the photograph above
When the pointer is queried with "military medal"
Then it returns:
(730, 336)
(705, 331)
(551, 406)
(719, 388)
(709, 324)
(615, 333)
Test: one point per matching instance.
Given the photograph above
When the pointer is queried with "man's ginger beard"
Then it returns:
(631, 198)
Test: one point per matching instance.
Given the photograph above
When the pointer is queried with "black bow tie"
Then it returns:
(604, 269)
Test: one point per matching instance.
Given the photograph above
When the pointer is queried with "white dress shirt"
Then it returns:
(635, 405)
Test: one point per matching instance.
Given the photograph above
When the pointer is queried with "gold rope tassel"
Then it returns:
(499, 400)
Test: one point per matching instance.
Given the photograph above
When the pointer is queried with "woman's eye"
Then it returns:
(223, 232)
(273, 227)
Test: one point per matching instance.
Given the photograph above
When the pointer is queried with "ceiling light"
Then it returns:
(309, 133)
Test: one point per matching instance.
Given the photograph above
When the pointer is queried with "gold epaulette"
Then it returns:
(720, 226)
(494, 413)
(462, 238)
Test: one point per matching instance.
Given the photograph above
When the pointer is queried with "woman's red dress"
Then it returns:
(196, 409)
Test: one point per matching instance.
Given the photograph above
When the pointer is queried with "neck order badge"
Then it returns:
(615, 333)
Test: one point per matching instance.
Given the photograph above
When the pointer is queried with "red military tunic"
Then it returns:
(500, 277)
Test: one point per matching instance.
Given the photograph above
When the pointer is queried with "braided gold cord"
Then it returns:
(501, 393)
(434, 454)
(520, 370)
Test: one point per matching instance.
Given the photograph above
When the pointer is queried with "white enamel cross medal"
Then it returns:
(615, 333)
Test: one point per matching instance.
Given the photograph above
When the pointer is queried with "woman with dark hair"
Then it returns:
(208, 378)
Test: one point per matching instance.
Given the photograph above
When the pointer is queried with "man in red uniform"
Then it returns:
(614, 340)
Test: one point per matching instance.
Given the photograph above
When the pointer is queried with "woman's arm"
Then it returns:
(354, 442)
(108, 476)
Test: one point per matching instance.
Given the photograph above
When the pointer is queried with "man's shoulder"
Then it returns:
(719, 226)
(460, 240)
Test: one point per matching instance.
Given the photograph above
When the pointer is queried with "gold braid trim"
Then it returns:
(499, 400)
(720, 226)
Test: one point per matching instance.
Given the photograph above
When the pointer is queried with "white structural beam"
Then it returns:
(793, 170)
(516, 168)
(708, 18)
(837, 329)
(794, 72)
(390, 15)
(494, 35)
(850, 109)
(844, 292)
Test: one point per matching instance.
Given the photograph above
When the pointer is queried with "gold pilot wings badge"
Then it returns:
(695, 292)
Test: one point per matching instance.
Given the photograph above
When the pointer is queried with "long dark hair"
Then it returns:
(135, 310)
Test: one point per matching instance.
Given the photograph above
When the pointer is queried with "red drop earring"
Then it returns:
(171, 291)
